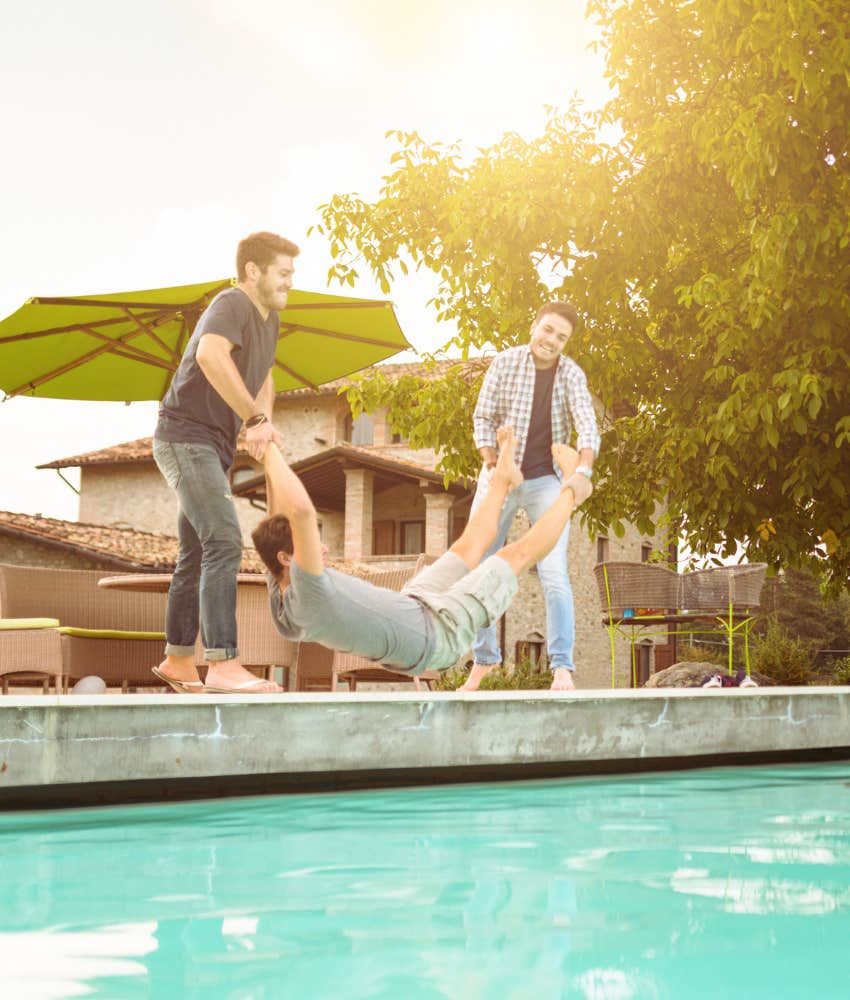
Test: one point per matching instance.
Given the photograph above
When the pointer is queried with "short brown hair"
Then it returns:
(262, 248)
(561, 308)
(273, 535)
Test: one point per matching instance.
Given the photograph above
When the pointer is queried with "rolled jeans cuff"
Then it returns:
(172, 650)
(230, 653)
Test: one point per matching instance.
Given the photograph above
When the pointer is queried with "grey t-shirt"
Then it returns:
(353, 616)
(192, 410)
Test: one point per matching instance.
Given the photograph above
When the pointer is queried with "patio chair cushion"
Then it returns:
(105, 633)
(10, 624)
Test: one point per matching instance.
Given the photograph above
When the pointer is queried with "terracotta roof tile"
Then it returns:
(122, 546)
(126, 548)
(140, 450)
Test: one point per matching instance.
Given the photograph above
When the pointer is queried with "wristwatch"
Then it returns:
(256, 420)
(585, 470)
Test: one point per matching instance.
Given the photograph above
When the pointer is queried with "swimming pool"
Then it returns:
(726, 882)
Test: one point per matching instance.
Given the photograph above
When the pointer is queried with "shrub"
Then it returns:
(451, 680)
(783, 657)
(520, 677)
(841, 671)
(686, 653)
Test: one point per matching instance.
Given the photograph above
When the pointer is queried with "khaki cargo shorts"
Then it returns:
(461, 601)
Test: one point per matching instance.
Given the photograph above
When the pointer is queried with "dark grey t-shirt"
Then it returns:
(192, 410)
(353, 616)
(537, 459)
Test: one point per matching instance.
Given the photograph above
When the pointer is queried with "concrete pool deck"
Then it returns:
(86, 750)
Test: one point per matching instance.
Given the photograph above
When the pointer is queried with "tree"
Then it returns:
(793, 600)
(708, 247)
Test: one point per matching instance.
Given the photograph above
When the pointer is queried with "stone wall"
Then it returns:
(135, 495)
(129, 495)
(23, 552)
(309, 424)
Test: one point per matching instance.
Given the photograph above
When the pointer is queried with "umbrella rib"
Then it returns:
(294, 374)
(361, 304)
(133, 352)
(119, 304)
(162, 312)
(145, 359)
(108, 346)
(157, 340)
(161, 316)
(287, 329)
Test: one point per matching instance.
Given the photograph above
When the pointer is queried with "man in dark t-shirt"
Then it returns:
(543, 394)
(223, 381)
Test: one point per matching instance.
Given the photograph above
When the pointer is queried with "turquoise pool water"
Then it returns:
(728, 882)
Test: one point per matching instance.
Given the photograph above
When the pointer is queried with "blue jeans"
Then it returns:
(203, 588)
(535, 496)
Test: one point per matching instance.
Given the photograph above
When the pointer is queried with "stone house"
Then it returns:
(380, 504)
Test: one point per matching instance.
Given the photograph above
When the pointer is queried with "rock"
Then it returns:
(89, 685)
(690, 674)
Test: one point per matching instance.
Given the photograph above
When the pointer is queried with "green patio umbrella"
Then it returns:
(127, 345)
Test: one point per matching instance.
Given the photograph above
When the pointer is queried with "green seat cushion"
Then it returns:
(106, 633)
(8, 624)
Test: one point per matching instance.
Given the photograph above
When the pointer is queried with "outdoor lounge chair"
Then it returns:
(30, 653)
(114, 635)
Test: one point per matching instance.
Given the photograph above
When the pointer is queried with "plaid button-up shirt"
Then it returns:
(508, 392)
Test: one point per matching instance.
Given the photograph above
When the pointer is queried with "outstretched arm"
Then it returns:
(286, 495)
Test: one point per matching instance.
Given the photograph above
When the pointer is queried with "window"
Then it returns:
(601, 549)
(360, 431)
(412, 537)
(645, 552)
(673, 555)
(383, 538)
(642, 663)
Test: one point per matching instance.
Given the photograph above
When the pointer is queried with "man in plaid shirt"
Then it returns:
(543, 394)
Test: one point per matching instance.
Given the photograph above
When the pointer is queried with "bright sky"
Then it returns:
(142, 141)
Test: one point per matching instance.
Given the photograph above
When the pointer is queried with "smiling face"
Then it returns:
(549, 337)
(272, 285)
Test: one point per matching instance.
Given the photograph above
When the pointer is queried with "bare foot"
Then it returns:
(181, 674)
(578, 484)
(229, 675)
(476, 675)
(566, 457)
(562, 680)
(506, 466)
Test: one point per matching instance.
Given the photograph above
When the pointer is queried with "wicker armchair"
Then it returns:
(30, 653)
(631, 586)
(722, 588)
(116, 635)
(261, 646)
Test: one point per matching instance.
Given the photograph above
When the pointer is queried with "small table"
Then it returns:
(159, 583)
(709, 622)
